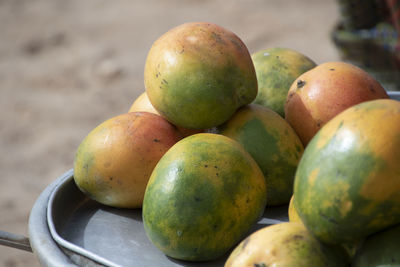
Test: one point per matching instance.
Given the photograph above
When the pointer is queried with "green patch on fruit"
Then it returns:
(380, 249)
(198, 74)
(259, 142)
(343, 214)
(195, 180)
(272, 143)
(276, 70)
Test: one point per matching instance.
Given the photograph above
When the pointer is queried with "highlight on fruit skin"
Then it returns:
(321, 93)
(347, 182)
(285, 244)
(276, 69)
(115, 160)
(203, 197)
(198, 74)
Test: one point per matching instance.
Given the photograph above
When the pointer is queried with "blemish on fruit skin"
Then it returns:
(217, 38)
(291, 94)
(296, 237)
(300, 84)
(329, 219)
(331, 69)
(236, 43)
(371, 88)
(245, 242)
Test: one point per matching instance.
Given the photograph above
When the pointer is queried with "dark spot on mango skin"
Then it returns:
(86, 167)
(236, 43)
(371, 88)
(298, 237)
(217, 38)
(260, 264)
(156, 140)
(291, 94)
(300, 84)
(328, 218)
(331, 69)
(246, 241)
(107, 164)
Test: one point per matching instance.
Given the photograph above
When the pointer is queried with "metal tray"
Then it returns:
(68, 229)
(89, 233)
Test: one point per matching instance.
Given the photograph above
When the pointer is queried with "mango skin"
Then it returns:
(203, 197)
(380, 249)
(347, 184)
(321, 93)
(273, 144)
(349, 248)
(115, 160)
(143, 104)
(276, 69)
(286, 244)
(293, 215)
(198, 74)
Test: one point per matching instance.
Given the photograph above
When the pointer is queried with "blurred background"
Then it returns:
(67, 66)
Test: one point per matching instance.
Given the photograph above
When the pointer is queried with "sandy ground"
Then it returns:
(66, 66)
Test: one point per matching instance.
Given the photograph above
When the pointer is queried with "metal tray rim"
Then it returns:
(61, 241)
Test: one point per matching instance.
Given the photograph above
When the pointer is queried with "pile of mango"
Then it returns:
(220, 134)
